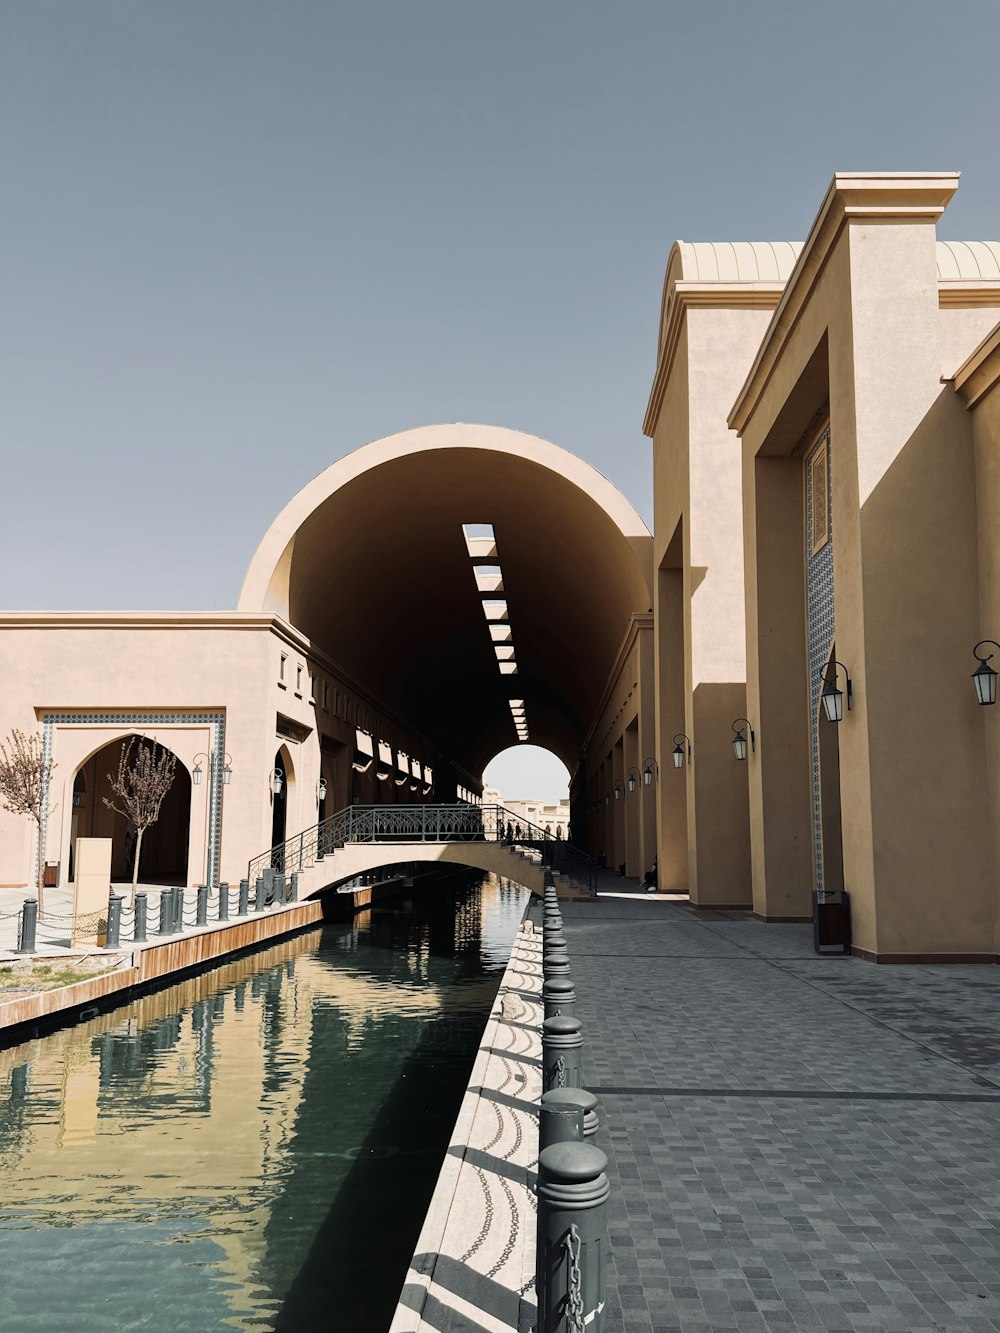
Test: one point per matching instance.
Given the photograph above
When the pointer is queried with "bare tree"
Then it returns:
(142, 782)
(24, 788)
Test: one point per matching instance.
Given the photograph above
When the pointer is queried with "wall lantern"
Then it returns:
(196, 772)
(607, 798)
(650, 770)
(633, 779)
(740, 740)
(678, 753)
(619, 791)
(321, 791)
(833, 699)
(984, 677)
(276, 779)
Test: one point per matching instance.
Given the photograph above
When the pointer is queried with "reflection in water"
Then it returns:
(254, 1148)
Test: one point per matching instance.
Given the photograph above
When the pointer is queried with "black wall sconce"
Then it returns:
(833, 699)
(650, 770)
(633, 779)
(740, 740)
(984, 677)
(678, 754)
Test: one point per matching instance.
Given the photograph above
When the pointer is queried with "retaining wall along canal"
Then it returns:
(474, 1264)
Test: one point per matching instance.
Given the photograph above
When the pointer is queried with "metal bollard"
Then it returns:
(178, 909)
(268, 876)
(585, 1102)
(573, 1195)
(279, 889)
(113, 940)
(554, 940)
(562, 1051)
(558, 996)
(559, 1121)
(293, 887)
(166, 911)
(244, 904)
(260, 894)
(224, 901)
(201, 916)
(139, 924)
(555, 963)
(28, 926)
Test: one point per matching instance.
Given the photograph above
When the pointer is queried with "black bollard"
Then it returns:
(559, 1121)
(166, 911)
(201, 917)
(28, 926)
(224, 901)
(555, 963)
(573, 1195)
(244, 904)
(558, 996)
(139, 924)
(114, 922)
(293, 887)
(562, 1050)
(585, 1102)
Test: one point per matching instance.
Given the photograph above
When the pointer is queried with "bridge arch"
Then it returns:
(371, 563)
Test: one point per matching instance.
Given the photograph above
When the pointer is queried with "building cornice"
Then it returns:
(852, 197)
(980, 372)
(729, 295)
(969, 292)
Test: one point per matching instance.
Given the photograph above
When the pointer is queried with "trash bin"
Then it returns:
(832, 923)
(51, 875)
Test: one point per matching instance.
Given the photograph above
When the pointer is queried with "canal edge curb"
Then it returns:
(467, 1263)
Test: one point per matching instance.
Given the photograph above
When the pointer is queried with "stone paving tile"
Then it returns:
(744, 1203)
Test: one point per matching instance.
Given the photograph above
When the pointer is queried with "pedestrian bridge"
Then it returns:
(363, 838)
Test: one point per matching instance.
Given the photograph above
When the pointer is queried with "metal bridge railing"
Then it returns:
(426, 823)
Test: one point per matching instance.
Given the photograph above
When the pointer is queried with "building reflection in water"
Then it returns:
(239, 1112)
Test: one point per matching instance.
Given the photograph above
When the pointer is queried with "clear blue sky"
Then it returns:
(242, 238)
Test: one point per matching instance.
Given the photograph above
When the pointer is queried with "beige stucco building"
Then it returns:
(824, 417)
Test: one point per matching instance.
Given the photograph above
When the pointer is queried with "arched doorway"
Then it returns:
(282, 790)
(163, 857)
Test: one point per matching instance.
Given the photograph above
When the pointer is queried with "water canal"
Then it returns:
(254, 1148)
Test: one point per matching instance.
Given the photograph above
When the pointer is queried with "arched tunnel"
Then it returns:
(476, 640)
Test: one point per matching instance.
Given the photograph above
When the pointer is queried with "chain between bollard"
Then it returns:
(574, 1296)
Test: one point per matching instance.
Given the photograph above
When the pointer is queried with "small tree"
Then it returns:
(24, 789)
(142, 782)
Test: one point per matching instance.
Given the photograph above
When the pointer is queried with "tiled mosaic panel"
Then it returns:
(820, 629)
(217, 721)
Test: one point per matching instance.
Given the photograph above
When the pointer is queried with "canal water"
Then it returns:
(254, 1148)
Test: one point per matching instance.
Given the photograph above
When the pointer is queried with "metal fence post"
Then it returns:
(244, 903)
(201, 916)
(28, 926)
(166, 911)
(268, 894)
(279, 889)
(573, 1195)
(113, 939)
(293, 888)
(139, 924)
(562, 1050)
(178, 913)
(260, 891)
(224, 901)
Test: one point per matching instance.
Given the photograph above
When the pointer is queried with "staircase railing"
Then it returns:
(426, 823)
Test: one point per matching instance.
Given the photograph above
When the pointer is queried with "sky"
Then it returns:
(241, 239)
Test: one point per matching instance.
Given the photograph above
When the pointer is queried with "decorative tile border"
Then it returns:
(217, 721)
(820, 630)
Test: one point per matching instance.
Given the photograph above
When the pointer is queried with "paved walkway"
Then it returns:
(795, 1142)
